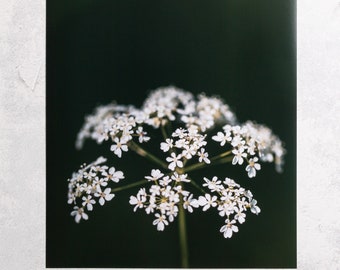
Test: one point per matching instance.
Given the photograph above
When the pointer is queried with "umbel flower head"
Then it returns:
(183, 121)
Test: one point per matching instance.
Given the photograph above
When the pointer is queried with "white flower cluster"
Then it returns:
(121, 123)
(89, 183)
(207, 112)
(252, 142)
(163, 198)
(96, 124)
(184, 121)
(190, 142)
(165, 104)
(232, 201)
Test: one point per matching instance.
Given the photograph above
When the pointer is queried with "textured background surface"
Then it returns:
(22, 144)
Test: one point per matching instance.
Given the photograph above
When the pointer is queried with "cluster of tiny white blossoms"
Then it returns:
(163, 199)
(184, 121)
(252, 143)
(231, 202)
(90, 183)
(190, 142)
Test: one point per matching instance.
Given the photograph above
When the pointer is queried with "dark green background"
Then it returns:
(98, 51)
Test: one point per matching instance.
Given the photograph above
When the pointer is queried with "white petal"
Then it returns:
(172, 166)
(235, 159)
(85, 216)
(206, 207)
(241, 219)
(194, 203)
(78, 217)
(118, 152)
(257, 166)
(133, 200)
(202, 201)
(228, 233)
(101, 201)
(223, 228)
(234, 228)
(160, 226)
(109, 197)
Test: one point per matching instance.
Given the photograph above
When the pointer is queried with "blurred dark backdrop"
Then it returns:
(99, 51)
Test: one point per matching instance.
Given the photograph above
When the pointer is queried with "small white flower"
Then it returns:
(229, 228)
(160, 221)
(113, 175)
(71, 198)
(119, 147)
(214, 184)
(180, 133)
(254, 208)
(180, 190)
(174, 161)
(252, 167)
(207, 201)
(142, 135)
(180, 177)
(168, 144)
(152, 206)
(238, 156)
(227, 129)
(230, 182)
(221, 137)
(155, 175)
(188, 152)
(104, 196)
(240, 215)
(227, 208)
(139, 200)
(88, 201)
(173, 197)
(237, 141)
(100, 181)
(203, 156)
(183, 143)
(251, 146)
(79, 214)
(155, 190)
(165, 192)
(165, 181)
(189, 203)
(172, 212)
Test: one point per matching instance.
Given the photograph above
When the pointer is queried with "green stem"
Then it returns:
(165, 136)
(139, 183)
(183, 235)
(140, 151)
(203, 164)
(169, 127)
(224, 154)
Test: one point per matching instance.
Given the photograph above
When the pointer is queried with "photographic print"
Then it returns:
(171, 134)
